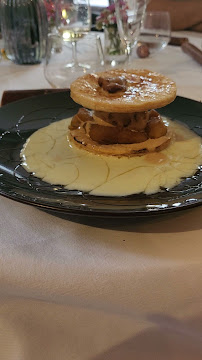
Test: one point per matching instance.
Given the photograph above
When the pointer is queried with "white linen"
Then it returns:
(78, 287)
(171, 61)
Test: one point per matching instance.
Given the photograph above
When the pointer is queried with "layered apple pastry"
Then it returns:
(117, 144)
(121, 120)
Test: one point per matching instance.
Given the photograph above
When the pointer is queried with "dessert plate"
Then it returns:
(20, 119)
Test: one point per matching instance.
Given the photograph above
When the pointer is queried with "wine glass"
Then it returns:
(129, 15)
(155, 31)
(73, 21)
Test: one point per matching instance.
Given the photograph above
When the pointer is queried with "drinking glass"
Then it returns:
(155, 31)
(58, 57)
(129, 15)
(73, 21)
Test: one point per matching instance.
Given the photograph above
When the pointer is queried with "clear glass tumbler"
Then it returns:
(155, 31)
(59, 55)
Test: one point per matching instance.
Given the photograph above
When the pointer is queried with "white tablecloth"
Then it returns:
(84, 288)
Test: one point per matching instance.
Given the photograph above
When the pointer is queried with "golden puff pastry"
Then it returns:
(143, 90)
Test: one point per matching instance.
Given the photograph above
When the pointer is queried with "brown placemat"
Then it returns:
(14, 95)
(177, 41)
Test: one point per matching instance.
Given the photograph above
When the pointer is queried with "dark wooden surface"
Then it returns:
(14, 95)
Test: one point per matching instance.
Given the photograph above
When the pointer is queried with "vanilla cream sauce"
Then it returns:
(49, 155)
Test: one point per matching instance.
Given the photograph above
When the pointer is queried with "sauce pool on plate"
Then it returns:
(50, 155)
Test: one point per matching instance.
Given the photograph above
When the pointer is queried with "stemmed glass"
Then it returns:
(129, 15)
(73, 21)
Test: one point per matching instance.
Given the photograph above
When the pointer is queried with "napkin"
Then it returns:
(81, 288)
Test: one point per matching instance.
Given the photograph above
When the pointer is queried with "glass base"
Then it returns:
(77, 66)
(62, 77)
(115, 61)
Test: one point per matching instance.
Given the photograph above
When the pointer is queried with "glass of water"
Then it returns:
(155, 31)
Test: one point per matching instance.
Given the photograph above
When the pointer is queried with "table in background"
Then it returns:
(74, 287)
(171, 62)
